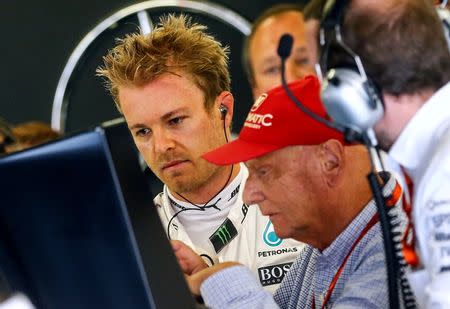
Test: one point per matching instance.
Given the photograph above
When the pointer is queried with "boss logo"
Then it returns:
(273, 274)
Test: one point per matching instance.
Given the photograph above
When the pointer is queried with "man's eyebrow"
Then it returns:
(271, 59)
(137, 126)
(300, 49)
(173, 112)
(164, 117)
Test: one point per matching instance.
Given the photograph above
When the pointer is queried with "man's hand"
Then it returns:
(189, 261)
(196, 280)
(194, 267)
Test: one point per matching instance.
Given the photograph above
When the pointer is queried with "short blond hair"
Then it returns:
(175, 44)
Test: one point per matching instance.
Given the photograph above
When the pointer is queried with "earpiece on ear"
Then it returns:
(223, 111)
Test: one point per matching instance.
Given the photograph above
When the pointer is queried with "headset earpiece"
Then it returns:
(350, 100)
(444, 16)
(223, 111)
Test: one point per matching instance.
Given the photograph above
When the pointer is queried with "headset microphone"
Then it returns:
(284, 51)
(285, 46)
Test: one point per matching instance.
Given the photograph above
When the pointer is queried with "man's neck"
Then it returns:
(212, 188)
(403, 107)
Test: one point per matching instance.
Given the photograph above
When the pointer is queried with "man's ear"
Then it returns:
(226, 100)
(331, 155)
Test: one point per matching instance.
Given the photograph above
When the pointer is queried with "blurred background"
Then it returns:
(39, 37)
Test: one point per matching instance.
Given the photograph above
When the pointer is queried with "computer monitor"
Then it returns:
(78, 228)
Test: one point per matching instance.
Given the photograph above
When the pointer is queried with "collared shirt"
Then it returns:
(362, 283)
(241, 234)
(423, 149)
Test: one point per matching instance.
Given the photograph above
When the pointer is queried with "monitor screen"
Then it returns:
(78, 228)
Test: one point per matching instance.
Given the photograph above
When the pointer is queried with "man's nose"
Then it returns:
(163, 141)
(252, 194)
(294, 72)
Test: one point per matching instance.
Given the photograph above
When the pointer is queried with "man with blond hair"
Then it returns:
(173, 87)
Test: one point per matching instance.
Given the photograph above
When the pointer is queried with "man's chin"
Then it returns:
(281, 233)
(181, 186)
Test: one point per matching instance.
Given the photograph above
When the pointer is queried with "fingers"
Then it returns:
(176, 244)
(190, 262)
(195, 281)
(193, 284)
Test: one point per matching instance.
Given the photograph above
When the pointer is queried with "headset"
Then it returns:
(223, 111)
(351, 98)
(444, 15)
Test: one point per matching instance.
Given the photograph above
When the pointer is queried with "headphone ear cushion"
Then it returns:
(350, 100)
(444, 16)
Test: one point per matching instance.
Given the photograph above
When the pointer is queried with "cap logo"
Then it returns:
(258, 102)
(255, 121)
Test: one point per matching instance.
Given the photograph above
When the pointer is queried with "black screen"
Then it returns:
(78, 228)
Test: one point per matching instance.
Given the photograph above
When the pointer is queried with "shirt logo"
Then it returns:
(273, 274)
(223, 235)
(244, 211)
(270, 237)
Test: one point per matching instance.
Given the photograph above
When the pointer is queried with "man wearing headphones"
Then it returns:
(173, 87)
(405, 55)
(313, 187)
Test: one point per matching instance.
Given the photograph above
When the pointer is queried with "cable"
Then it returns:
(205, 206)
(407, 294)
(389, 222)
(380, 158)
(284, 51)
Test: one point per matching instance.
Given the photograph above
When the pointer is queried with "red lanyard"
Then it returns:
(408, 241)
(393, 199)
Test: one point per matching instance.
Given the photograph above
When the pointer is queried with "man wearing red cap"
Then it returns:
(314, 190)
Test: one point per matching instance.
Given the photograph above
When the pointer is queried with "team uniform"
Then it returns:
(423, 149)
(229, 230)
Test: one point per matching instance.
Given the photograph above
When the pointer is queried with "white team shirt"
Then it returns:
(236, 232)
(423, 149)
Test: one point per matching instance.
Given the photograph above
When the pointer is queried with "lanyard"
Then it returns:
(408, 239)
(395, 196)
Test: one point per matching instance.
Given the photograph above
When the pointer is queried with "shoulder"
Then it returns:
(365, 275)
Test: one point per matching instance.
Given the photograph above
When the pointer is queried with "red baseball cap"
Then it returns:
(274, 122)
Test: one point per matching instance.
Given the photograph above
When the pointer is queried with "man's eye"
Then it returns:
(302, 61)
(143, 132)
(176, 120)
(261, 172)
(272, 70)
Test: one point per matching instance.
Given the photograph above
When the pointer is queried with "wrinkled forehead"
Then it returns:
(283, 155)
